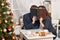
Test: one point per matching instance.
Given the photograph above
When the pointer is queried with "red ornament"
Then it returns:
(10, 28)
(0, 15)
(3, 38)
(0, 22)
(11, 14)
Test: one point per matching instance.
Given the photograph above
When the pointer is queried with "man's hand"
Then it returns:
(41, 23)
(33, 19)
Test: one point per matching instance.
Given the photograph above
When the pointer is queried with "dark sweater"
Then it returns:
(47, 23)
(27, 20)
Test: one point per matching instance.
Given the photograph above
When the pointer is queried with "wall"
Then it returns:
(21, 7)
(55, 9)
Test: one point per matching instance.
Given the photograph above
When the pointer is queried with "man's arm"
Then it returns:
(28, 22)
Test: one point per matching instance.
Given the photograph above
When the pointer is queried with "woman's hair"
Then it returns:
(33, 10)
(42, 12)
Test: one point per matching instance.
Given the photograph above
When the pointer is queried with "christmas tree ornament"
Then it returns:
(10, 28)
(0, 14)
(4, 30)
(4, 12)
(12, 20)
(8, 12)
(13, 26)
(2, 4)
(0, 22)
(11, 13)
(3, 38)
(14, 37)
(6, 21)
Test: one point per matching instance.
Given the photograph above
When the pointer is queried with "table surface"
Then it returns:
(27, 34)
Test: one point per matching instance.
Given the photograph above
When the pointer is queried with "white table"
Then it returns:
(23, 34)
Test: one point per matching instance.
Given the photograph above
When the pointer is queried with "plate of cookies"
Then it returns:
(41, 33)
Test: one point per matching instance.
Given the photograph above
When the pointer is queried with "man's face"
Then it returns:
(33, 12)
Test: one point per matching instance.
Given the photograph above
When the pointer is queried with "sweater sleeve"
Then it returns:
(47, 22)
(49, 26)
(27, 22)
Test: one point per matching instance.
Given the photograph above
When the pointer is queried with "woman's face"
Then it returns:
(42, 12)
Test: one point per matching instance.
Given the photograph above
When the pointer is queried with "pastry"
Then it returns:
(42, 34)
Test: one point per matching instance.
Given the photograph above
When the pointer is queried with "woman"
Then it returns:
(45, 20)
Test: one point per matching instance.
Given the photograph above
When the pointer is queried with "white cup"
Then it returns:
(46, 31)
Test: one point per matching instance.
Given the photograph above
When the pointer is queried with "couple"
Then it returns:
(38, 18)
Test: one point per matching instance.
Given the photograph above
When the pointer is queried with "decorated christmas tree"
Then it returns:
(6, 21)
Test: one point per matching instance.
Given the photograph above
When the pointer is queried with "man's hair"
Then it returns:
(33, 6)
(33, 10)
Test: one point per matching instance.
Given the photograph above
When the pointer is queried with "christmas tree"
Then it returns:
(6, 21)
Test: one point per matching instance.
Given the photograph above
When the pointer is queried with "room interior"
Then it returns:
(21, 7)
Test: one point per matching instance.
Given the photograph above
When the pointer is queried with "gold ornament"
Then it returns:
(8, 12)
(13, 37)
(10, 28)
(12, 20)
(2, 4)
(6, 21)
(4, 12)
(5, 30)
(3, 39)
(13, 26)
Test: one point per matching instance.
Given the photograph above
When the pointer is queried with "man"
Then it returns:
(30, 19)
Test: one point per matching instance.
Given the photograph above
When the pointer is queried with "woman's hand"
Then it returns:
(33, 19)
(41, 23)
(41, 19)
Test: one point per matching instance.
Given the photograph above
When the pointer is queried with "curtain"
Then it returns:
(21, 7)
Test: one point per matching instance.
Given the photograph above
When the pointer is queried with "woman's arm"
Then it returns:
(49, 26)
